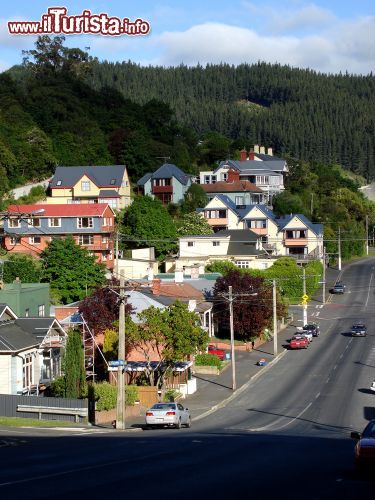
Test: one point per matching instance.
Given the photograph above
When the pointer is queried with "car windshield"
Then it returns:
(358, 325)
(370, 430)
(164, 406)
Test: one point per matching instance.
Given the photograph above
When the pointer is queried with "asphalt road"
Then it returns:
(287, 436)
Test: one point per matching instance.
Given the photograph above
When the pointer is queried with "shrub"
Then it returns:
(105, 396)
(58, 387)
(171, 394)
(207, 360)
(131, 395)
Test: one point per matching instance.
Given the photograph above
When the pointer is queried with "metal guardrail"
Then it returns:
(55, 410)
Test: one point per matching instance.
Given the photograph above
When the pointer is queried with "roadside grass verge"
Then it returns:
(33, 422)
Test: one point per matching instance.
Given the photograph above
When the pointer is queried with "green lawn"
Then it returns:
(34, 422)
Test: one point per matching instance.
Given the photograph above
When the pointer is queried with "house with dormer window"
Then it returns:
(30, 352)
(91, 184)
(257, 166)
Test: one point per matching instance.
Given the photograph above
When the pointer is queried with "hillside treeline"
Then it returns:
(311, 116)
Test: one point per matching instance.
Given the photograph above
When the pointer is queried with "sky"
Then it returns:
(325, 36)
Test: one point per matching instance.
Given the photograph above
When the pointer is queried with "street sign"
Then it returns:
(305, 297)
(117, 362)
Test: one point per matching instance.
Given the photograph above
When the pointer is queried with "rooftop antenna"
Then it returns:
(165, 158)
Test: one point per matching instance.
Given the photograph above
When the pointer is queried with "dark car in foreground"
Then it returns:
(313, 328)
(364, 450)
(358, 330)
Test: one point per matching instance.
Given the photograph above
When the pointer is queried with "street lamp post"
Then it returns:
(274, 317)
(232, 350)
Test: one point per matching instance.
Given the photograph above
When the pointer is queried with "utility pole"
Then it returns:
(324, 275)
(121, 370)
(304, 302)
(234, 387)
(339, 248)
(366, 234)
(274, 318)
(116, 250)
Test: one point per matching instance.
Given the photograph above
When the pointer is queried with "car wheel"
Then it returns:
(178, 425)
(188, 423)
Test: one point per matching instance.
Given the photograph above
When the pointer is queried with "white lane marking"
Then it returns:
(341, 356)
(335, 367)
(317, 314)
(368, 291)
(282, 426)
(321, 306)
(316, 397)
(327, 380)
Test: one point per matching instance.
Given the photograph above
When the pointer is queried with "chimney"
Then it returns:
(150, 274)
(270, 152)
(178, 276)
(233, 175)
(262, 150)
(194, 272)
(192, 305)
(256, 148)
(251, 154)
(243, 154)
(156, 286)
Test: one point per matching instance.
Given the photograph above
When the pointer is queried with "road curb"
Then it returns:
(243, 388)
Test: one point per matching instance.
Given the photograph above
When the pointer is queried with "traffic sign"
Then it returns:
(117, 362)
(305, 297)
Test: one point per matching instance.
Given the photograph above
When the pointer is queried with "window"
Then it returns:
(85, 222)
(222, 214)
(85, 186)
(14, 222)
(112, 202)
(104, 239)
(27, 370)
(74, 202)
(190, 243)
(107, 221)
(104, 255)
(240, 201)
(243, 264)
(224, 176)
(257, 224)
(85, 239)
(213, 179)
(34, 222)
(216, 243)
(15, 240)
(262, 179)
(300, 233)
(35, 240)
(41, 311)
(58, 183)
(54, 222)
(207, 179)
(113, 182)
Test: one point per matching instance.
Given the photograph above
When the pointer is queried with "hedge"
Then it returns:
(207, 360)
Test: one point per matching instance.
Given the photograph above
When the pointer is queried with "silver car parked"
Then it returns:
(170, 414)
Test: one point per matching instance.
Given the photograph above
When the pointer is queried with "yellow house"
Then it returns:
(91, 184)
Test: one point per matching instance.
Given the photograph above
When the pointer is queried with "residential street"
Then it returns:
(286, 432)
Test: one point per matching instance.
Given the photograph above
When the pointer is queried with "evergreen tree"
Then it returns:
(74, 366)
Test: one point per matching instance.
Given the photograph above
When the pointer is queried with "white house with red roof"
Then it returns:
(29, 228)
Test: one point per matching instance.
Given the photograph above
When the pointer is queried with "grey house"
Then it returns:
(169, 184)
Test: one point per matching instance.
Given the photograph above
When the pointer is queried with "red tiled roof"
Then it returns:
(230, 187)
(60, 210)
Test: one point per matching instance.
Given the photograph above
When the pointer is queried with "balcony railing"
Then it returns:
(295, 242)
(162, 189)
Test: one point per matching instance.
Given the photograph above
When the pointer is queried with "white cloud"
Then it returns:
(307, 18)
(348, 47)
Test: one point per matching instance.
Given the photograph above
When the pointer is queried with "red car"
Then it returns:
(364, 450)
(298, 342)
(220, 353)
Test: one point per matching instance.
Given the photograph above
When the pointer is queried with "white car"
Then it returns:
(305, 333)
(373, 386)
(170, 414)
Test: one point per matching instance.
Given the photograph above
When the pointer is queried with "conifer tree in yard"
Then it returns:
(71, 270)
(74, 366)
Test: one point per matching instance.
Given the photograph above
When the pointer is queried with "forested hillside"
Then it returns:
(330, 118)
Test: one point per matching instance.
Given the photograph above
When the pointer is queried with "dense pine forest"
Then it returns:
(312, 116)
